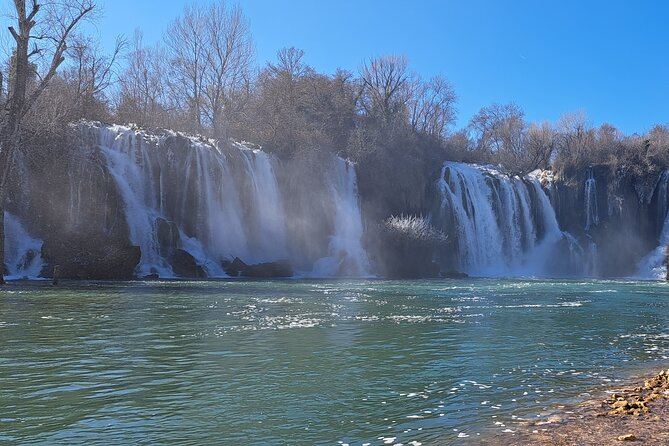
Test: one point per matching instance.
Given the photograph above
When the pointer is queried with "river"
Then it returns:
(313, 362)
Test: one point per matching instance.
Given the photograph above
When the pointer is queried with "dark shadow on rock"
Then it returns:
(84, 258)
(238, 268)
(185, 265)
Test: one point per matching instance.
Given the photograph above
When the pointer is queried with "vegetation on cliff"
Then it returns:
(202, 78)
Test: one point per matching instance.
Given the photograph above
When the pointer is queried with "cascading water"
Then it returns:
(268, 211)
(499, 225)
(590, 200)
(347, 257)
(217, 204)
(653, 265)
(591, 212)
(22, 251)
(192, 205)
(128, 163)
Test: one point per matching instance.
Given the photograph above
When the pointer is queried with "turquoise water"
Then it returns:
(313, 362)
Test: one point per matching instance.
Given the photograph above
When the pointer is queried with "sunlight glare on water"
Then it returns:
(313, 362)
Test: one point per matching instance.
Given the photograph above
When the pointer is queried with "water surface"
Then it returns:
(313, 362)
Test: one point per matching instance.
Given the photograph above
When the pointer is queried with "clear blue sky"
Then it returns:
(607, 58)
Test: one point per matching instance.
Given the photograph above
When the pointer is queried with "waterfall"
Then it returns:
(500, 225)
(653, 264)
(347, 257)
(128, 164)
(22, 252)
(218, 202)
(267, 205)
(590, 200)
(591, 220)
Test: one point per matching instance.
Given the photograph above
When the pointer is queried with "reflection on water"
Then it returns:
(313, 362)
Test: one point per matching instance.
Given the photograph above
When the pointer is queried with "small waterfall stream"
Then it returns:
(590, 200)
(591, 212)
(347, 257)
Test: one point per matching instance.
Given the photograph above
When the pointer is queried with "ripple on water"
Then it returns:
(407, 361)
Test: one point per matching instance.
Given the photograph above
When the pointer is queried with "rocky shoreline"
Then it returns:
(632, 414)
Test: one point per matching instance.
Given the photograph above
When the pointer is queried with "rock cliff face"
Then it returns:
(618, 219)
(115, 202)
(598, 224)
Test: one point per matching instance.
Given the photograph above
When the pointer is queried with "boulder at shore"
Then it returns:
(78, 259)
(237, 268)
(185, 265)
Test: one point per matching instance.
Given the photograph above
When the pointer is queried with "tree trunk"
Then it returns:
(5, 162)
(3, 182)
(8, 144)
(2, 242)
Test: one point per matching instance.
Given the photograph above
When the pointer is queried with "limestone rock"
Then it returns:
(81, 258)
(238, 268)
(185, 265)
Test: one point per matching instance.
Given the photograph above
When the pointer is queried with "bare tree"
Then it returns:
(229, 53)
(142, 96)
(432, 107)
(280, 99)
(289, 64)
(296, 110)
(540, 144)
(501, 133)
(459, 146)
(91, 73)
(187, 45)
(576, 138)
(385, 88)
(658, 139)
(40, 34)
(498, 127)
(211, 51)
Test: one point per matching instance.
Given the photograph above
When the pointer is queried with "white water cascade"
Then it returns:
(591, 211)
(347, 257)
(501, 225)
(653, 265)
(221, 203)
(590, 200)
(22, 251)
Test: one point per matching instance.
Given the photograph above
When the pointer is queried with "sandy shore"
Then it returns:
(637, 414)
